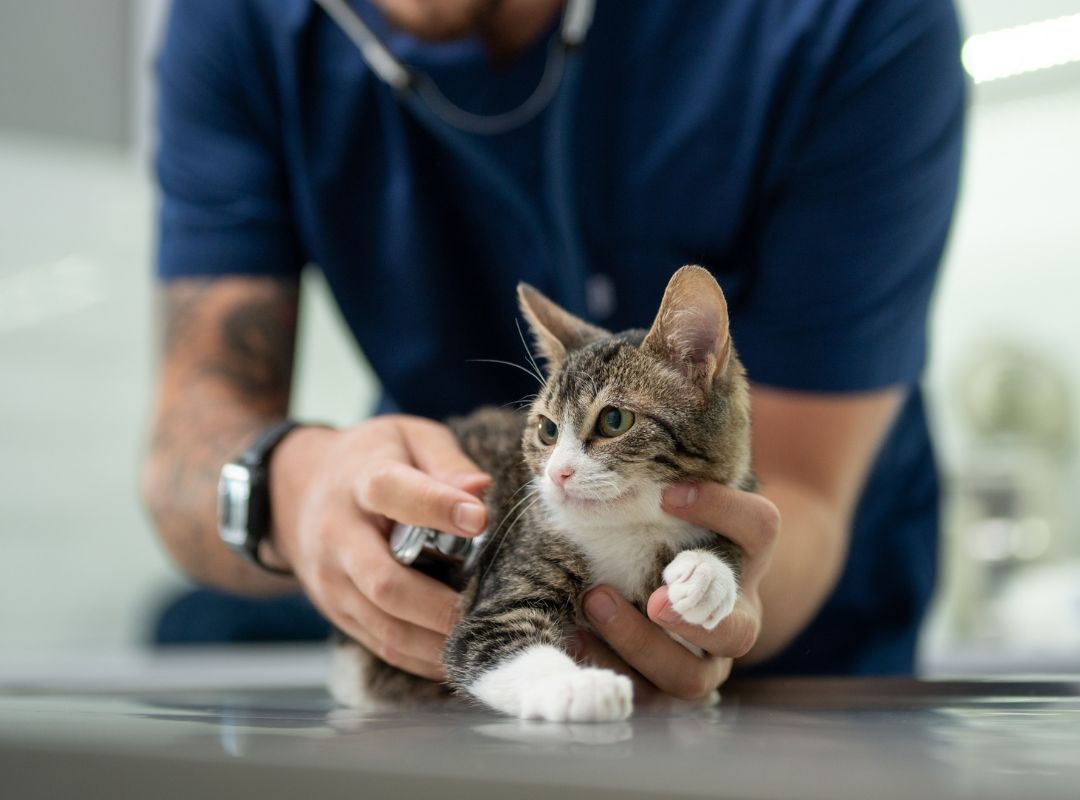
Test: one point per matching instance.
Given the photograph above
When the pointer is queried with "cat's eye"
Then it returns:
(547, 430)
(614, 421)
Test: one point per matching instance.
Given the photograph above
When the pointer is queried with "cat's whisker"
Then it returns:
(523, 402)
(601, 481)
(506, 534)
(499, 546)
(526, 370)
(528, 485)
(535, 499)
(528, 352)
(506, 528)
(586, 375)
(520, 489)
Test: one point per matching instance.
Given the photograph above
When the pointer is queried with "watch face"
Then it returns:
(234, 496)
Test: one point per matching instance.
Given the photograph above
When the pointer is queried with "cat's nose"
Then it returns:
(560, 475)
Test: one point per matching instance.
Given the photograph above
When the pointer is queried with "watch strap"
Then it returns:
(257, 458)
(258, 452)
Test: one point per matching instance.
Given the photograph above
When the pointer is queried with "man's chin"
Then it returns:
(438, 20)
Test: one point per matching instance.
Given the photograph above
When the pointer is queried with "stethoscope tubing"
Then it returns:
(561, 241)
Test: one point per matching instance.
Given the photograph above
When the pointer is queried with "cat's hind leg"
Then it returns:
(350, 675)
(360, 680)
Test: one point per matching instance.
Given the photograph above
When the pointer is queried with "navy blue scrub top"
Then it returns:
(805, 152)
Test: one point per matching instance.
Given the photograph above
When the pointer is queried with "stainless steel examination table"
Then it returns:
(193, 732)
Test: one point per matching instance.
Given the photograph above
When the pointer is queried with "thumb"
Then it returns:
(475, 483)
(435, 450)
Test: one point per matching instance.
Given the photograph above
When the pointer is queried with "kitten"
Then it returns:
(576, 502)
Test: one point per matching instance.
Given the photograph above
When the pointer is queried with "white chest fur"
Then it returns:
(622, 543)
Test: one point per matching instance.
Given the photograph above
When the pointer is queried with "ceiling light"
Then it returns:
(1025, 48)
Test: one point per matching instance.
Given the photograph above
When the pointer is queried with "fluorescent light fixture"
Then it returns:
(1025, 48)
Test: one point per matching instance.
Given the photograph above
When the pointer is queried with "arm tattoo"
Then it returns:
(179, 308)
(258, 355)
(252, 339)
(235, 335)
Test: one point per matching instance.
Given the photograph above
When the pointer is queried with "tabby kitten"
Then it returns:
(576, 502)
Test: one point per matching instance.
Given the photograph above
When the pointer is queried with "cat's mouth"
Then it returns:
(585, 502)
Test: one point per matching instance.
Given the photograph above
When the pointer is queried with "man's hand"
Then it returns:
(643, 646)
(225, 375)
(335, 496)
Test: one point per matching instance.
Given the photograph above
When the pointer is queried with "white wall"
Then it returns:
(76, 346)
(64, 68)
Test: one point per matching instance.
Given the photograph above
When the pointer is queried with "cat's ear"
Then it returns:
(691, 329)
(555, 330)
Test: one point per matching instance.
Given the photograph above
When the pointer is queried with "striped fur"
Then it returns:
(689, 396)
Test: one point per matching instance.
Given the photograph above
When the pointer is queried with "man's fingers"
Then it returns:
(425, 669)
(750, 520)
(732, 638)
(474, 483)
(340, 606)
(398, 642)
(392, 634)
(435, 450)
(594, 652)
(401, 591)
(403, 493)
(649, 650)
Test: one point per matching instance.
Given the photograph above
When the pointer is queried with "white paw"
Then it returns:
(701, 587)
(584, 695)
(349, 664)
(542, 682)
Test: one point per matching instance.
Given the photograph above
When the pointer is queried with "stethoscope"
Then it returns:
(457, 128)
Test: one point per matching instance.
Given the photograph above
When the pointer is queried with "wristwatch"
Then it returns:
(244, 496)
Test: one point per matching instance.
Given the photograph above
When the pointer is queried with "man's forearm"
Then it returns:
(806, 565)
(179, 489)
(812, 453)
(226, 371)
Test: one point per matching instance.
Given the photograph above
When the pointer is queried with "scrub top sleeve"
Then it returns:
(224, 205)
(853, 228)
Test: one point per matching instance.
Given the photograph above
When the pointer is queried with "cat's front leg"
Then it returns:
(702, 587)
(542, 682)
(513, 661)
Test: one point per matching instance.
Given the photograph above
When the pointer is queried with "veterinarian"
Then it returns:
(807, 153)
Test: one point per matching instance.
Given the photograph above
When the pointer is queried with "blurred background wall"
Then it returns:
(80, 564)
(68, 68)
